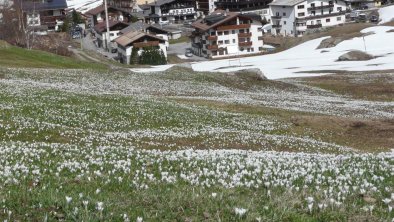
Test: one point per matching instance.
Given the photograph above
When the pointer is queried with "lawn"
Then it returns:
(85, 145)
(11, 56)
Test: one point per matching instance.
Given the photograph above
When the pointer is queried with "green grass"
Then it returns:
(180, 40)
(71, 124)
(11, 56)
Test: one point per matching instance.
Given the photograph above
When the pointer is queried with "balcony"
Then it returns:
(51, 20)
(212, 38)
(244, 35)
(320, 16)
(212, 47)
(314, 26)
(320, 7)
(245, 43)
(231, 27)
(276, 17)
(277, 26)
(146, 44)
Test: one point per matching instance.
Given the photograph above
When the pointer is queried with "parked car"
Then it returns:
(189, 52)
(374, 19)
(164, 22)
(364, 7)
(361, 18)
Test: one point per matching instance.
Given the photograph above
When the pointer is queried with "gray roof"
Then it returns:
(286, 2)
(136, 26)
(161, 2)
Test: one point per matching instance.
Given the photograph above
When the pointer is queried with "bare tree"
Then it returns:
(13, 26)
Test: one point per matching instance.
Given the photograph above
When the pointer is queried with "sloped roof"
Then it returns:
(130, 37)
(99, 9)
(161, 2)
(219, 17)
(286, 2)
(101, 27)
(95, 11)
(136, 26)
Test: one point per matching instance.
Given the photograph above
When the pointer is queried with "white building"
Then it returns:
(172, 11)
(224, 34)
(100, 31)
(295, 17)
(139, 40)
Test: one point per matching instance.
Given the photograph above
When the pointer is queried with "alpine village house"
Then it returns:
(224, 34)
(295, 17)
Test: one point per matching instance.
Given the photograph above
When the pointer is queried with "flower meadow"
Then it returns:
(78, 145)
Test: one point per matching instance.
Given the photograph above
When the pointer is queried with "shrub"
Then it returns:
(152, 56)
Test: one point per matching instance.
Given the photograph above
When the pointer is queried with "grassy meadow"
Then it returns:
(85, 144)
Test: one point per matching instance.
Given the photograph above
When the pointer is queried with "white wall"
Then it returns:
(33, 19)
(294, 12)
(287, 20)
(233, 48)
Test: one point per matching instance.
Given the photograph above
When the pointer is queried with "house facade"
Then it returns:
(206, 6)
(97, 15)
(296, 17)
(225, 34)
(172, 11)
(137, 40)
(260, 7)
(47, 14)
(100, 32)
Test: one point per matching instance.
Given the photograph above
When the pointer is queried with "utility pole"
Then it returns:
(107, 24)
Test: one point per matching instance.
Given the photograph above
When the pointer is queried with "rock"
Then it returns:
(252, 70)
(330, 42)
(369, 199)
(355, 56)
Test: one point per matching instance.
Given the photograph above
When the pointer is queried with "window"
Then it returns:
(214, 53)
(233, 40)
(284, 13)
(252, 49)
(226, 32)
(301, 14)
(339, 18)
(221, 52)
(233, 31)
(242, 49)
(111, 34)
(213, 33)
(328, 20)
(312, 5)
(248, 49)
(226, 41)
(318, 22)
(339, 9)
(220, 42)
(220, 33)
(301, 6)
(284, 22)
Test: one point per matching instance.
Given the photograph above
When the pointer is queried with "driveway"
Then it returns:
(180, 49)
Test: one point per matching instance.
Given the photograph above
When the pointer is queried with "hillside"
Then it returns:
(12, 56)
(179, 145)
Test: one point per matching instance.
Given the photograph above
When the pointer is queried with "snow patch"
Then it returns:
(386, 14)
